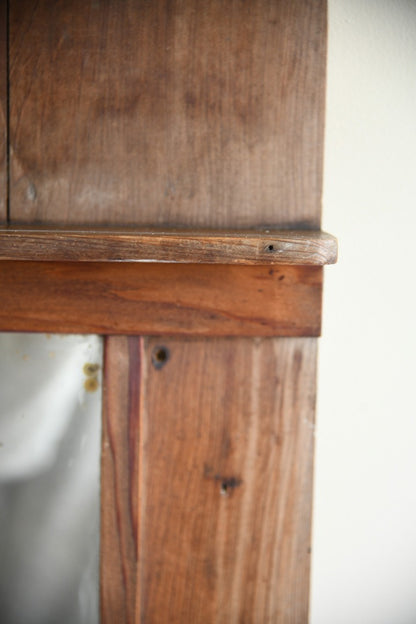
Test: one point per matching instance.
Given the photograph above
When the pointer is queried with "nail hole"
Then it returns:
(271, 248)
(228, 485)
(160, 356)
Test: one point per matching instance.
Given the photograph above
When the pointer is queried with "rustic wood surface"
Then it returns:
(152, 245)
(227, 454)
(114, 298)
(120, 475)
(3, 112)
(161, 112)
(165, 113)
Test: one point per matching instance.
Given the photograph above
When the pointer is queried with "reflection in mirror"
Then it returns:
(50, 428)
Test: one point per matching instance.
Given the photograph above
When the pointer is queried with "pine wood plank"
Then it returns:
(167, 113)
(226, 451)
(115, 298)
(152, 245)
(120, 477)
(3, 111)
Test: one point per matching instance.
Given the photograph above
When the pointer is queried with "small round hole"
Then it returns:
(270, 247)
(224, 489)
(160, 356)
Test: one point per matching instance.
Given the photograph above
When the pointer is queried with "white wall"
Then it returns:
(364, 546)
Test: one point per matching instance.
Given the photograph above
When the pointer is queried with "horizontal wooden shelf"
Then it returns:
(160, 299)
(261, 247)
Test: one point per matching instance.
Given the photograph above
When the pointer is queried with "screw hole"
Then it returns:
(160, 356)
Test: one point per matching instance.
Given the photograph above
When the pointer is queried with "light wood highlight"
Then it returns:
(120, 477)
(114, 298)
(167, 113)
(227, 449)
(181, 246)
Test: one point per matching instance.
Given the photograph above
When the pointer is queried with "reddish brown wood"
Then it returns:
(226, 482)
(159, 112)
(155, 245)
(115, 298)
(120, 475)
(3, 112)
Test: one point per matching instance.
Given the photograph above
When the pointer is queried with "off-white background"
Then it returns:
(364, 543)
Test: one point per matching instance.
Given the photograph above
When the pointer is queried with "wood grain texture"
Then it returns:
(3, 111)
(155, 299)
(227, 454)
(185, 114)
(177, 246)
(120, 477)
(168, 113)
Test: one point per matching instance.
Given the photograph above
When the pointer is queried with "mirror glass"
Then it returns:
(50, 428)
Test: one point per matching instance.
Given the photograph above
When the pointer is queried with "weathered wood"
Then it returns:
(155, 299)
(3, 111)
(183, 246)
(140, 112)
(227, 445)
(187, 114)
(120, 477)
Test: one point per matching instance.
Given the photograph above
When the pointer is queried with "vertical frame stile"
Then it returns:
(206, 482)
(228, 456)
(120, 473)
